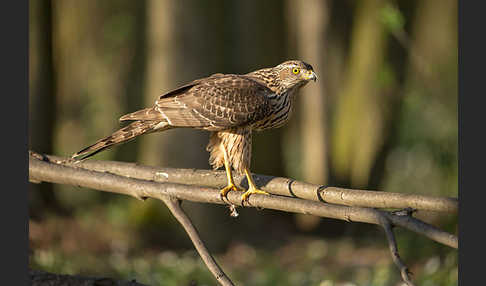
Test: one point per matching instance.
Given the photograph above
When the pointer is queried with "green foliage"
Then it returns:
(301, 261)
(392, 18)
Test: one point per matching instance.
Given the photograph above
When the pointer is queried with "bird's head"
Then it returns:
(295, 73)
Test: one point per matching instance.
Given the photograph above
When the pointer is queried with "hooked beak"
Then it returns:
(310, 75)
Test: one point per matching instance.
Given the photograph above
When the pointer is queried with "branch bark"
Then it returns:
(392, 244)
(140, 188)
(145, 182)
(275, 185)
(175, 208)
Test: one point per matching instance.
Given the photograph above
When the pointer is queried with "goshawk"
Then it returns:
(229, 106)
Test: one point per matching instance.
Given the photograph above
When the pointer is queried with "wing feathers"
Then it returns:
(217, 102)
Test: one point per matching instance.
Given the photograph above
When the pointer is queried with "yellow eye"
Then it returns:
(295, 70)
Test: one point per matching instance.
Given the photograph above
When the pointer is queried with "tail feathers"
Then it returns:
(123, 135)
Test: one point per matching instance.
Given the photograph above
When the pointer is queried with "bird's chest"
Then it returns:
(279, 113)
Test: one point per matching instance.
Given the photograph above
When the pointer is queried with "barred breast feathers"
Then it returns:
(281, 109)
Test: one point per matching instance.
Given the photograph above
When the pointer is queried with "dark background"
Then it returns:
(383, 115)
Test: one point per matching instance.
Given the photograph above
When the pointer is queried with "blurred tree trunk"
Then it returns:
(431, 98)
(434, 43)
(310, 19)
(358, 121)
(97, 51)
(133, 75)
(160, 67)
(306, 138)
(42, 96)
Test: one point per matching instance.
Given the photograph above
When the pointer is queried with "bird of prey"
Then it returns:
(229, 106)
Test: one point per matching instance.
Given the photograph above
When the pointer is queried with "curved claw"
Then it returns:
(224, 191)
(246, 195)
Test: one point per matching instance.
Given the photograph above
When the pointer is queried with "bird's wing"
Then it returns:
(182, 89)
(215, 103)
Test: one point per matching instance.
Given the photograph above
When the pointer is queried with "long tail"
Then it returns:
(122, 135)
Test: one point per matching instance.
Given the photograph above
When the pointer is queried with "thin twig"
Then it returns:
(392, 244)
(175, 208)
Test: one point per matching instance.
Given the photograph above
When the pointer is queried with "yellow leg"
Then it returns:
(231, 185)
(252, 189)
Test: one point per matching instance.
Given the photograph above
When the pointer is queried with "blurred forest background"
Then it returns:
(382, 116)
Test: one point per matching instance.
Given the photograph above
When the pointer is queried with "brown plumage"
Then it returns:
(230, 106)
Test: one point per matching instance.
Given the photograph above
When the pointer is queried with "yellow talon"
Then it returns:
(230, 187)
(252, 188)
(246, 195)
(229, 176)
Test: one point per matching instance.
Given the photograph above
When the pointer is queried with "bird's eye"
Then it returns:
(295, 70)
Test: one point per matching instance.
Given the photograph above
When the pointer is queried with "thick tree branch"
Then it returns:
(275, 185)
(138, 188)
